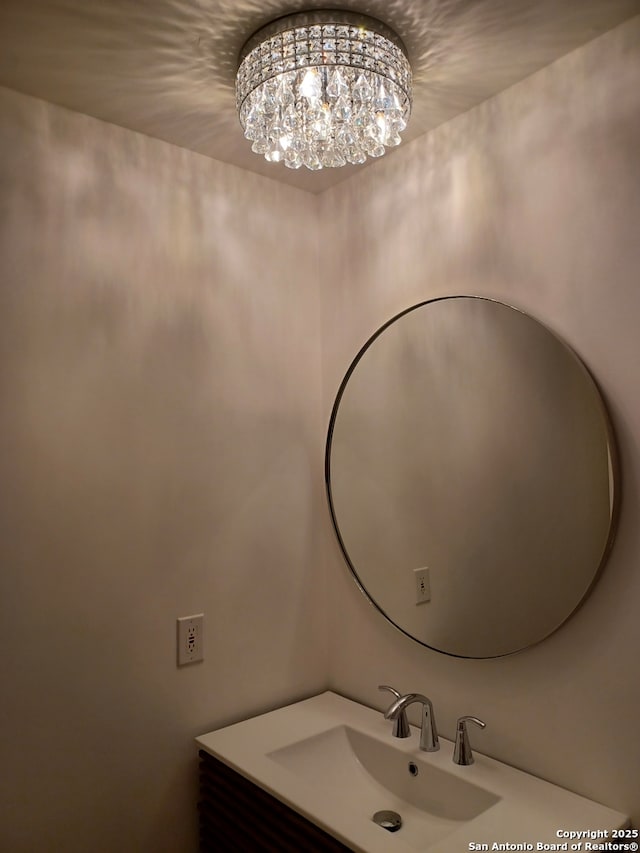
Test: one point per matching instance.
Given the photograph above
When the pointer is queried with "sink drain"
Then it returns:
(391, 821)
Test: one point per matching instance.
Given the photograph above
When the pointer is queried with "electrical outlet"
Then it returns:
(190, 639)
(423, 585)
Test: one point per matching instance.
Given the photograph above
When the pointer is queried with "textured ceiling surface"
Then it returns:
(166, 68)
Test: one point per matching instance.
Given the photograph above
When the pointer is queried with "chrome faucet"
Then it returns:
(400, 722)
(462, 753)
(428, 734)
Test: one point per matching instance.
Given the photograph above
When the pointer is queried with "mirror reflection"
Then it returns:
(470, 477)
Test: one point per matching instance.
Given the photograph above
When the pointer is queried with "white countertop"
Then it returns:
(528, 810)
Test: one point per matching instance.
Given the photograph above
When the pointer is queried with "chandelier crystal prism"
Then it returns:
(323, 89)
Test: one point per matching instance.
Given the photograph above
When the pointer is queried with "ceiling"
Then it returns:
(166, 68)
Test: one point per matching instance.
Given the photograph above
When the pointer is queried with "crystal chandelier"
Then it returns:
(323, 89)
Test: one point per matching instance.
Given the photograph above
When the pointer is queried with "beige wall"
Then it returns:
(161, 439)
(160, 455)
(533, 198)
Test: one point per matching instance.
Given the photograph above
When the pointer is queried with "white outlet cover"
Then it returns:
(190, 639)
(423, 585)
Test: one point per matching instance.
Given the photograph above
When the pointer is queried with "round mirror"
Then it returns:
(469, 470)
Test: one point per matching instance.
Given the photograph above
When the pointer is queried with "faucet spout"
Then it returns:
(429, 741)
(400, 723)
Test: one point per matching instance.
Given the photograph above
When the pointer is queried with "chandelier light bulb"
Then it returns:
(323, 89)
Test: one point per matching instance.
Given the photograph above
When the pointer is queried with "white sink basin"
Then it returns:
(335, 761)
(432, 804)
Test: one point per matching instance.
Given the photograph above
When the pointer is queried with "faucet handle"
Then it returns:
(400, 724)
(462, 753)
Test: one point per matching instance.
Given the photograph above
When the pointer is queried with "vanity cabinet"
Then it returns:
(236, 815)
(336, 762)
